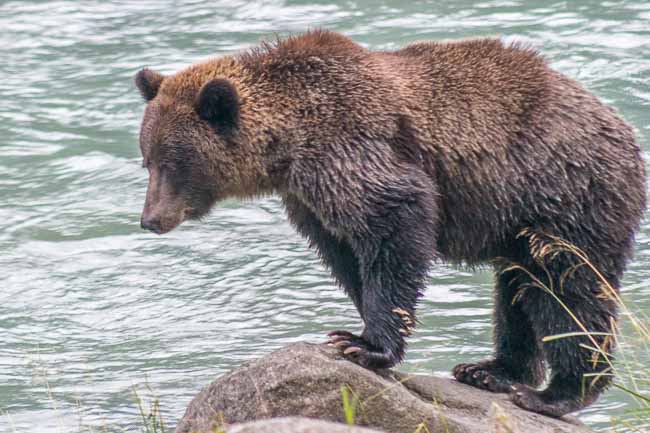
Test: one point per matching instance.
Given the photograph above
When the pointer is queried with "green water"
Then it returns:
(91, 305)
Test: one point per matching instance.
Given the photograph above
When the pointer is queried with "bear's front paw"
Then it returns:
(359, 351)
(486, 375)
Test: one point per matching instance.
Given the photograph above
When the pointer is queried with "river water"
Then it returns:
(91, 305)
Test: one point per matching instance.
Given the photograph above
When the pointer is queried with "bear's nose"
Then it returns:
(151, 224)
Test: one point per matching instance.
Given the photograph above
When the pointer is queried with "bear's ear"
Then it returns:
(148, 82)
(218, 104)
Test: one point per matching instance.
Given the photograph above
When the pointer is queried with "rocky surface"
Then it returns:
(296, 425)
(306, 380)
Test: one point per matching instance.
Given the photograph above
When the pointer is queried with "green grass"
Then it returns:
(149, 409)
(350, 404)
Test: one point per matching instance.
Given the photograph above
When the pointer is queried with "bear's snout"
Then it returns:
(151, 223)
(164, 209)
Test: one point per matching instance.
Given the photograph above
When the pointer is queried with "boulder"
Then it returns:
(307, 380)
(295, 425)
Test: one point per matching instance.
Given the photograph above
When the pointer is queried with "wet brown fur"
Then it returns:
(389, 160)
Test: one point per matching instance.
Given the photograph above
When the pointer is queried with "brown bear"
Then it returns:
(472, 152)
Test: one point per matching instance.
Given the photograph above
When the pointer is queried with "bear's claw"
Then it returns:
(359, 351)
(339, 335)
(409, 324)
(484, 375)
(351, 350)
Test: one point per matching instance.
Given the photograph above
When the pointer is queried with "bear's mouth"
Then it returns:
(199, 206)
(191, 213)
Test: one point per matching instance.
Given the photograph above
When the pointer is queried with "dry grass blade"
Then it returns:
(545, 247)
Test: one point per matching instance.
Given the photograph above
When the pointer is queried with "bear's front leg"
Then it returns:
(394, 255)
(394, 252)
(386, 212)
(394, 262)
(338, 256)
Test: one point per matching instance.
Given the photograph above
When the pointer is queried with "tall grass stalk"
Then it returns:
(631, 372)
(350, 405)
(152, 420)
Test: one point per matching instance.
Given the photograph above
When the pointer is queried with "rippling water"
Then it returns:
(90, 305)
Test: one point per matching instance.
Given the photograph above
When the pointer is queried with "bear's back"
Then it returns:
(509, 139)
(480, 87)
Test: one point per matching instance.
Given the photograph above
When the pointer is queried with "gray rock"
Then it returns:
(295, 425)
(306, 380)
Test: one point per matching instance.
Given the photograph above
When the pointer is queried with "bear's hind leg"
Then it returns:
(579, 374)
(518, 358)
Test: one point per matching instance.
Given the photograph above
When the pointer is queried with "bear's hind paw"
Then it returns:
(483, 375)
(546, 403)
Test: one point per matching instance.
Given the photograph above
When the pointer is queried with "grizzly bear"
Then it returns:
(473, 152)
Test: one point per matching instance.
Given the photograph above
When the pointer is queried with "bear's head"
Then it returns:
(193, 145)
